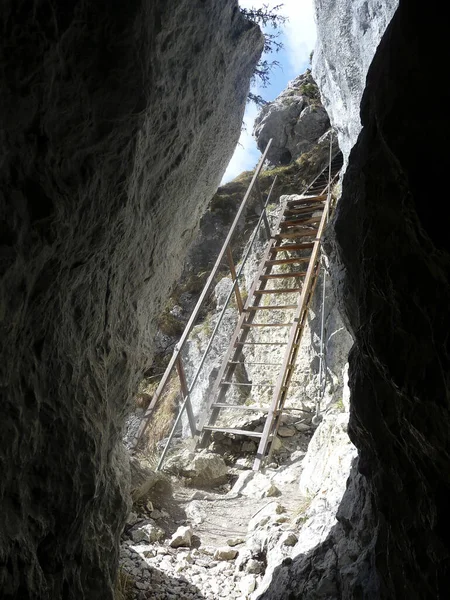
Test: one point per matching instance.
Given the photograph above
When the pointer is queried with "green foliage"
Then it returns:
(169, 324)
(271, 17)
(310, 90)
(124, 586)
(340, 405)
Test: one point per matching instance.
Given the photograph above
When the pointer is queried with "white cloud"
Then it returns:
(300, 31)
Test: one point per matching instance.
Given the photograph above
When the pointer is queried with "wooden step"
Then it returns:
(303, 211)
(260, 343)
(303, 222)
(307, 200)
(278, 291)
(295, 234)
(237, 384)
(273, 307)
(284, 275)
(286, 261)
(266, 324)
(240, 407)
(288, 247)
(240, 362)
(256, 434)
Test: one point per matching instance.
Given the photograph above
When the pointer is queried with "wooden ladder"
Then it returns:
(295, 244)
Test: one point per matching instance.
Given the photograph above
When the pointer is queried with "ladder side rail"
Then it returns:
(190, 324)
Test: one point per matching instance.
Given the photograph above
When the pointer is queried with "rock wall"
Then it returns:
(117, 123)
(393, 257)
(295, 120)
(348, 34)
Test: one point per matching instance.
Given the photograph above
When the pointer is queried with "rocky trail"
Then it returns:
(213, 543)
(212, 528)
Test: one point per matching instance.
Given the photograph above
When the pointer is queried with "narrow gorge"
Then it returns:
(117, 124)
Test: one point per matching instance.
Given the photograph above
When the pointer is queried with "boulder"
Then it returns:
(205, 468)
(295, 121)
(145, 483)
(182, 537)
(260, 486)
(225, 553)
(147, 533)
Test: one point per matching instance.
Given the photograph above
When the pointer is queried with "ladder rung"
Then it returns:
(295, 234)
(301, 211)
(261, 343)
(240, 362)
(246, 384)
(284, 275)
(273, 307)
(309, 221)
(288, 247)
(234, 431)
(266, 324)
(286, 261)
(279, 291)
(239, 407)
(306, 200)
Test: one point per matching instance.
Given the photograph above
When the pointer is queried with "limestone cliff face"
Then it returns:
(348, 34)
(393, 256)
(294, 121)
(116, 124)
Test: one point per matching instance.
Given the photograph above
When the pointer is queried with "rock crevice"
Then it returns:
(116, 126)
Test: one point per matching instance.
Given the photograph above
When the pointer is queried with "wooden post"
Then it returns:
(234, 278)
(185, 394)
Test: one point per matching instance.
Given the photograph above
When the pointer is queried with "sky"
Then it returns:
(298, 37)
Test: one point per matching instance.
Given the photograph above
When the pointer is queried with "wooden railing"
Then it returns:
(176, 362)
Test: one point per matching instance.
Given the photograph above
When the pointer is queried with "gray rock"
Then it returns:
(295, 121)
(182, 537)
(147, 533)
(285, 432)
(289, 538)
(144, 482)
(112, 156)
(235, 541)
(225, 553)
(348, 34)
(204, 468)
(260, 486)
(254, 566)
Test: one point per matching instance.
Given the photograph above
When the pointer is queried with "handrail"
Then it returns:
(190, 324)
(186, 401)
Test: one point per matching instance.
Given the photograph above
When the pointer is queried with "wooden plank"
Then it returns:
(260, 363)
(237, 384)
(273, 307)
(307, 199)
(278, 291)
(285, 275)
(233, 431)
(295, 234)
(289, 247)
(287, 261)
(303, 211)
(297, 222)
(266, 324)
(261, 343)
(241, 407)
